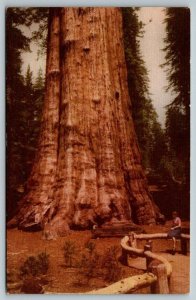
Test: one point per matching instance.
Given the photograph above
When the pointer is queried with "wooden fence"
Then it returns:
(158, 267)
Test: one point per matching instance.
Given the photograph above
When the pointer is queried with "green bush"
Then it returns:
(90, 265)
(69, 250)
(110, 265)
(35, 265)
(31, 285)
(94, 265)
(90, 246)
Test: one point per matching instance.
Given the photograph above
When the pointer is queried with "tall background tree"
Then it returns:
(177, 65)
(150, 135)
(21, 101)
(15, 43)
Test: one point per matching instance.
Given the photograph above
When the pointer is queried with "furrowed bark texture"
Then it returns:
(88, 169)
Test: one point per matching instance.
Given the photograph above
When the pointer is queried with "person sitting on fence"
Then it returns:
(175, 230)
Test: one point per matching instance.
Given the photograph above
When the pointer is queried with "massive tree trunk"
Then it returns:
(88, 167)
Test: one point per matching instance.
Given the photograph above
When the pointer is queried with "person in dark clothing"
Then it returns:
(175, 230)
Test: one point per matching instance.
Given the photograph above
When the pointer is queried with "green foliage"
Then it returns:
(29, 79)
(23, 103)
(94, 265)
(26, 16)
(24, 131)
(69, 251)
(90, 265)
(35, 265)
(177, 55)
(90, 246)
(143, 112)
(162, 151)
(176, 131)
(110, 264)
(39, 81)
(31, 285)
(16, 42)
(158, 144)
(177, 66)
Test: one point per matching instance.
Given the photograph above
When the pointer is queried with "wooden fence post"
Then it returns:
(124, 257)
(132, 243)
(148, 247)
(161, 285)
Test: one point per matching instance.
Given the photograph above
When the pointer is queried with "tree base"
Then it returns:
(116, 228)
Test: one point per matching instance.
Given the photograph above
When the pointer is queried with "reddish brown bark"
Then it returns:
(88, 169)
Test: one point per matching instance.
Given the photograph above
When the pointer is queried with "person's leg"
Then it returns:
(174, 245)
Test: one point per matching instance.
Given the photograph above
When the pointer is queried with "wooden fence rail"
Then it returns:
(128, 249)
(127, 285)
(158, 272)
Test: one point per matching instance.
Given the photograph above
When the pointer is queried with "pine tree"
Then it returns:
(144, 115)
(39, 81)
(177, 65)
(29, 78)
(15, 43)
(16, 100)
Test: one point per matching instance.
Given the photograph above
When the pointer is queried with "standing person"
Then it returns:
(175, 230)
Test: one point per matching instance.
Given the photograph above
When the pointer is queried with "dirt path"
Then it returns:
(180, 280)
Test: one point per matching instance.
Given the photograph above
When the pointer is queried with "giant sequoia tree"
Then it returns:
(88, 166)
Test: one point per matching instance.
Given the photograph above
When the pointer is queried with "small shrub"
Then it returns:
(111, 255)
(69, 253)
(43, 262)
(113, 273)
(90, 246)
(35, 265)
(31, 285)
(111, 269)
(93, 265)
(90, 266)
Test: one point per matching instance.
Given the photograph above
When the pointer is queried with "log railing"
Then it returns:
(158, 267)
(129, 249)
(183, 238)
(127, 285)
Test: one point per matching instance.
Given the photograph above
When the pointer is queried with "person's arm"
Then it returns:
(178, 225)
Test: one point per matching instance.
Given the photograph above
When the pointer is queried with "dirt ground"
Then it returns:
(62, 279)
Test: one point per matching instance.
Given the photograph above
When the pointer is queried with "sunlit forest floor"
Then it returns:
(63, 279)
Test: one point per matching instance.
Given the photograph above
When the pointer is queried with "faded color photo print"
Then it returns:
(98, 150)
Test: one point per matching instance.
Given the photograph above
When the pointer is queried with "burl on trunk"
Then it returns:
(88, 166)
